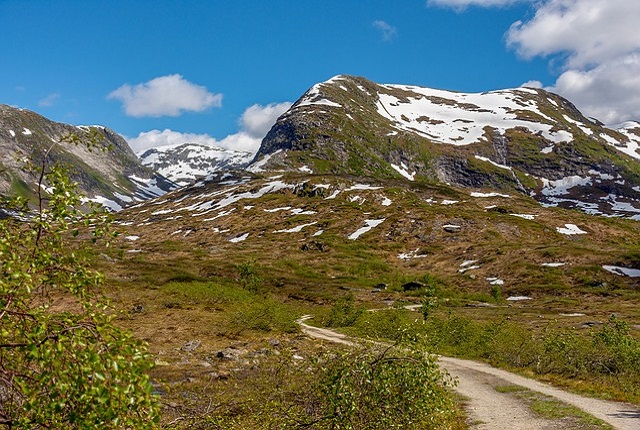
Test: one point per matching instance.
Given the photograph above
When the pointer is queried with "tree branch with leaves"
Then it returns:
(63, 361)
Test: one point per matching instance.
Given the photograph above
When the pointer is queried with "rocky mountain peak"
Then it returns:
(524, 139)
(187, 162)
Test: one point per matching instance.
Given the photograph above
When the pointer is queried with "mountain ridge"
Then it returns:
(520, 139)
(109, 173)
(186, 162)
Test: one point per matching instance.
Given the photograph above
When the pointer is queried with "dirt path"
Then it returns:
(473, 375)
(321, 333)
(489, 409)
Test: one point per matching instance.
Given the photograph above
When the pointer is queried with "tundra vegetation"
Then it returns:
(190, 330)
(66, 361)
(254, 369)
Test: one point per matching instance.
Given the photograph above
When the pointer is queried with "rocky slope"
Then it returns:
(525, 140)
(184, 163)
(109, 173)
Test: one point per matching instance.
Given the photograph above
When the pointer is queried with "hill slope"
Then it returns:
(110, 174)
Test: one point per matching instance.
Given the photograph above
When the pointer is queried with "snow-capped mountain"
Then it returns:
(184, 163)
(522, 139)
(110, 174)
(473, 188)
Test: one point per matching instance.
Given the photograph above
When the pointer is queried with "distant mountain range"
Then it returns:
(184, 163)
(520, 140)
(475, 188)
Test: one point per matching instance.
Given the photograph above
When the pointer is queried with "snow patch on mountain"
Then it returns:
(461, 118)
(403, 170)
(501, 166)
(562, 186)
(570, 229)
(624, 271)
(186, 162)
(631, 130)
(369, 224)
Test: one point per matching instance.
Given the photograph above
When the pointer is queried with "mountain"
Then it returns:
(519, 140)
(361, 184)
(109, 174)
(184, 163)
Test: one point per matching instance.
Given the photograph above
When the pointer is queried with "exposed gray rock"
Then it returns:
(191, 346)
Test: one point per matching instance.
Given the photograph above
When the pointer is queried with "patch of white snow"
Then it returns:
(570, 229)
(475, 194)
(525, 216)
(295, 229)
(624, 271)
(370, 223)
(239, 238)
(402, 169)
(501, 166)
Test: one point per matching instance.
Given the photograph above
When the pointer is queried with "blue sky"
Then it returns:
(221, 71)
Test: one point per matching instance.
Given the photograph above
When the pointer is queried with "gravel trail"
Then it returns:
(489, 409)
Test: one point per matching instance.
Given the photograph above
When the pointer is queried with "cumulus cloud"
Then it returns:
(590, 32)
(598, 45)
(255, 123)
(257, 120)
(169, 95)
(532, 84)
(387, 30)
(49, 100)
(463, 4)
(609, 92)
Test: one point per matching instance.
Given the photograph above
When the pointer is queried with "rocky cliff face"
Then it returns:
(524, 140)
(109, 173)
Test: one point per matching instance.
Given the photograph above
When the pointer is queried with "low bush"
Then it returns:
(359, 388)
(264, 314)
(344, 312)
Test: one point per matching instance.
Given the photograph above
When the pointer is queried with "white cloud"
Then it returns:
(532, 84)
(609, 92)
(255, 123)
(463, 4)
(257, 120)
(169, 95)
(388, 31)
(598, 44)
(49, 100)
(590, 32)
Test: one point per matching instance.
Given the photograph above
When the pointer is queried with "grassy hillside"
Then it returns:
(229, 268)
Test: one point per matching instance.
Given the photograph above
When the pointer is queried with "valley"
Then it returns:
(500, 227)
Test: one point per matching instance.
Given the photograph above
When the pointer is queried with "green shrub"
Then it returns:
(71, 367)
(249, 279)
(386, 324)
(344, 312)
(265, 315)
(391, 387)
